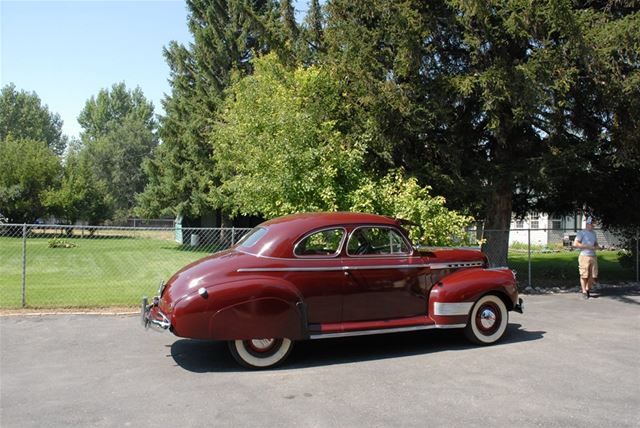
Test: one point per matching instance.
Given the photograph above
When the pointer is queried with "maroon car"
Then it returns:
(322, 275)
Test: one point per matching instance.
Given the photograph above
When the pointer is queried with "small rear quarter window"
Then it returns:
(252, 237)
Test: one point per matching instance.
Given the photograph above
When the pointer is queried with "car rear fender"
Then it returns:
(257, 308)
(451, 298)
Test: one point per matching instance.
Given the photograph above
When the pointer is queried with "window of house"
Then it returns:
(556, 223)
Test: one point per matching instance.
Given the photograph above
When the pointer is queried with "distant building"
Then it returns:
(547, 230)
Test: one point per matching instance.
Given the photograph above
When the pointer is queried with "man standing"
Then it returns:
(587, 261)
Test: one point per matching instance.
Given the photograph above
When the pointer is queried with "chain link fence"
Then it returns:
(546, 258)
(47, 266)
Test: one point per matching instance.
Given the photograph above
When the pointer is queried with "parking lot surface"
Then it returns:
(566, 362)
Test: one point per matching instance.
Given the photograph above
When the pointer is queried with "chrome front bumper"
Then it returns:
(152, 316)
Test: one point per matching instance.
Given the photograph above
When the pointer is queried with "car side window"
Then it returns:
(324, 243)
(367, 241)
(252, 238)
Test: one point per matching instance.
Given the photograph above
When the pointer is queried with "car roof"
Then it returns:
(284, 232)
(321, 219)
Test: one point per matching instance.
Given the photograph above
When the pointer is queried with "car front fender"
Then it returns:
(451, 298)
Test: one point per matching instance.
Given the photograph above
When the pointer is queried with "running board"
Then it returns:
(383, 331)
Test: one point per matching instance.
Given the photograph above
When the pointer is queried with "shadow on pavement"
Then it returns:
(620, 294)
(203, 356)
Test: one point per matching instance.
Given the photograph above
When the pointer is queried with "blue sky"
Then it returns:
(66, 51)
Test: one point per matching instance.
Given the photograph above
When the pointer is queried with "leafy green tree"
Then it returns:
(278, 147)
(23, 115)
(227, 34)
(118, 135)
(604, 106)
(29, 168)
(107, 111)
(492, 103)
(314, 26)
(399, 196)
(80, 196)
(285, 143)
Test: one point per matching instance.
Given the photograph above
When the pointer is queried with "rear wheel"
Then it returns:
(488, 320)
(260, 353)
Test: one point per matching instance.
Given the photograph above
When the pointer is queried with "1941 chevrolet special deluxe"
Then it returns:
(323, 275)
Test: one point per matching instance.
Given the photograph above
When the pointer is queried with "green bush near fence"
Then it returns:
(114, 271)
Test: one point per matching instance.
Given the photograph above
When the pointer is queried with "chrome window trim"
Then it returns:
(331, 256)
(404, 238)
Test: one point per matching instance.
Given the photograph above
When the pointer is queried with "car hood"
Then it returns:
(445, 255)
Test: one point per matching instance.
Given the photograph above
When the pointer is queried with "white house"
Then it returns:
(547, 230)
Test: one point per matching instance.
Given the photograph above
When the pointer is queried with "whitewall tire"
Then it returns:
(260, 353)
(487, 321)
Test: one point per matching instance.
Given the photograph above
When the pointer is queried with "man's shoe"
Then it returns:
(585, 296)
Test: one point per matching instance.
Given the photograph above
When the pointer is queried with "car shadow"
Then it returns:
(205, 356)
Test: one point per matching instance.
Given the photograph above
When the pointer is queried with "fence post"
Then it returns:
(637, 257)
(24, 265)
(233, 236)
(529, 253)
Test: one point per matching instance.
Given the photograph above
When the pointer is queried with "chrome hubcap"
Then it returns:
(487, 319)
(261, 344)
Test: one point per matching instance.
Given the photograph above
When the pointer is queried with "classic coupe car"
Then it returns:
(324, 275)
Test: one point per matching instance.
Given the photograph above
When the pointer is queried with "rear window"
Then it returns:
(252, 238)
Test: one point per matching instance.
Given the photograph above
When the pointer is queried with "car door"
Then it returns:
(383, 280)
(318, 273)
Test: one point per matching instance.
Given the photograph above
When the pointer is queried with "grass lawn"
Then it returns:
(94, 273)
(561, 268)
(118, 271)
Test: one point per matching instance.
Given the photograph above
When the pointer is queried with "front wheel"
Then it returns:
(260, 353)
(488, 320)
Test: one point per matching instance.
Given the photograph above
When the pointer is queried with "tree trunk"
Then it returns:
(498, 223)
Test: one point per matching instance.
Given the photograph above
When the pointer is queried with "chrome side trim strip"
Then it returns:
(384, 331)
(371, 332)
(293, 269)
(448, 326)
(449, 309)
(454, 265)
(433, 266)
(332, 268)
(420, 266)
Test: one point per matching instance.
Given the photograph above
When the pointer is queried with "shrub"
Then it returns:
(61, 243)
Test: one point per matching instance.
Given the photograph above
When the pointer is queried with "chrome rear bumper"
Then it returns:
(152, 316)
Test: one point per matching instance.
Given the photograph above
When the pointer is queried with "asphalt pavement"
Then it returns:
(565, 362)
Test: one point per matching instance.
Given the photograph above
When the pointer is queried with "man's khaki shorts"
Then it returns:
(588, 266)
